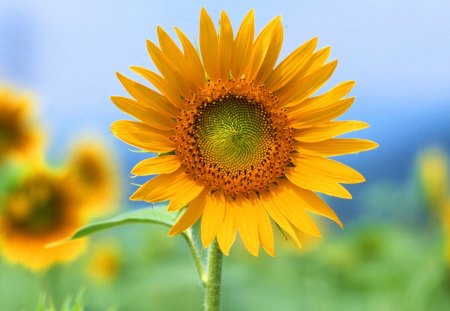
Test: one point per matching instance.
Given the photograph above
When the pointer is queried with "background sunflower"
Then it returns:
(37, 210)
(19, 135)
(91, 171)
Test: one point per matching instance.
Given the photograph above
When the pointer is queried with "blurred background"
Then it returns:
(393, 252)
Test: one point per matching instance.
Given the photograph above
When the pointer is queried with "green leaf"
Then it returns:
(154, 215)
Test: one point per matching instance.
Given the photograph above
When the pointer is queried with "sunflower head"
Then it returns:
(105, 262)
(19, 136)
(93, 175)
(38, 210)
(433, 176)
(240, 139)
(445, 218)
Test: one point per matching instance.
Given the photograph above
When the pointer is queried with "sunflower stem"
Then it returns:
(214, 277)
(195, 256)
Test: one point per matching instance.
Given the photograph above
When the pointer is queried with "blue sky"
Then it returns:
(67, 53)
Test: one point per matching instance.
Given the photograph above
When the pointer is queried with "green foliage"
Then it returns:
(390, 258)
(69, 304)
(368, 266)
(155, 215)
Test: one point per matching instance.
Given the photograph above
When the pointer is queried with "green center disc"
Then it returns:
(234, 133)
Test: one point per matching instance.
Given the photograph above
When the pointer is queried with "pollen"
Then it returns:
(234, 138)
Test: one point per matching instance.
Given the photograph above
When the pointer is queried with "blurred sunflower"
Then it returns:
(19, 136)
(93, 174)
(105, 262)
(433, 172)
(239, 139)
(38, 210)
(446, 228)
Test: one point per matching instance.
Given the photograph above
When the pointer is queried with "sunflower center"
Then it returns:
(234, 133)
(8, 131)
(35, 206)
(234, 137)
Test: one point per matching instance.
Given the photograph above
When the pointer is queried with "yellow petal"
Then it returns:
(162, 187)
(277, 216)
(176, 57)
(322, 115)
(171, 50)
(168, 70)
(306, 86)
(314, 63)
(157, 165)
(209, 45)
(192, 58)
(290, 66)
(266, 51)
(321, 101)
(142, 136)
(329, 168)
(143, 113)
(315, 204)
(265, 228)
(336, 146)
(213, 216)
(293, 209)
(184, 195)
(247, 224)
(328, 130)
(190, 216)
(172, 94)
(226, 45)
(243, 45)
(227, 231)
(149, 98)
(305, 178)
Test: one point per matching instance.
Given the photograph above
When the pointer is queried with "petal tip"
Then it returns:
(333, 63)
(224, 251)
(270, 252)
(137, 196)
(255, 252)
(204, 13)
(172, 232)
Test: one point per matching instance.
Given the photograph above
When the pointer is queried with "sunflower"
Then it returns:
(93, 174)
(18, 135)
(38, 210)
(105, 263)
(239, 139)
(445, 217)
(433, 176)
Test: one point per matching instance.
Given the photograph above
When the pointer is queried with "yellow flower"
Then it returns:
(239, 139)
(19, 136)
(446, 228)
(105, 263)
(433, 172)
(92, 173)
(39, 210)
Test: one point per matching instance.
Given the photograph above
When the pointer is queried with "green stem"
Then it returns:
(195, 256)
(212, 296)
